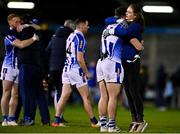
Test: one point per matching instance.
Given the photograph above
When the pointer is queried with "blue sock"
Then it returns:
(11, 118)
(4, 117)
(112, 123)
(103, 121)
(56, 119)
(94, 120)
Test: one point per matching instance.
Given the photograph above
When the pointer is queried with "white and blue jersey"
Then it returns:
(74, 44)
(72, 72)
(110, 69)
(112, 45)
(10, 59)
(9, 69)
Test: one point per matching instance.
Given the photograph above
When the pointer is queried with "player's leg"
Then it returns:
(66, 92)
(113, 91)
(7, 86)
(114, 74)
(84, 92)
(102, 106)
(13, 105)
(103, 101)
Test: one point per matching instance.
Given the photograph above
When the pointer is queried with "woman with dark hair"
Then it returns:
(131, 63)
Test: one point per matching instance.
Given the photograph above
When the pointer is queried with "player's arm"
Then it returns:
(138, 45)
(110, 20)
(21, 27)
(122, 31)
(80, 58)
(81, 61)
(22, 44)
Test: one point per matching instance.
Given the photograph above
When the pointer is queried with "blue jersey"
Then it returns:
(10, 59)
(112, 45)
(133, 31)
(75, 43)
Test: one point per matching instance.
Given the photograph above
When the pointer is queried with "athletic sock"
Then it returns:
(4, 117)
(103, 121)
(112, 123)
(56, 119)
(94, 120)
(11, 118)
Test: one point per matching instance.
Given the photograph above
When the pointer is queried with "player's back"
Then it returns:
(112, 45)
(74, 43)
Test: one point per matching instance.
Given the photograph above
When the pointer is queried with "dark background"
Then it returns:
(56, 11)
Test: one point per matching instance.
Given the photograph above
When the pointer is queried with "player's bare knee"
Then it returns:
(6, 94)
(15, 96)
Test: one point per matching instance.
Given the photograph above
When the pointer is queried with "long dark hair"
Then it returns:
(139, 16)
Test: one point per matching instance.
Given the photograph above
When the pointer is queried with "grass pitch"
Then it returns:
(158, 122)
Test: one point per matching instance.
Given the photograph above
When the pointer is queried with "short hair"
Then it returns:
(80, 20)
(120, 11)
(69, 23)
(11, 16)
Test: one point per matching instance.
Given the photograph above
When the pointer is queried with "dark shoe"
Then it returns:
(26, 123)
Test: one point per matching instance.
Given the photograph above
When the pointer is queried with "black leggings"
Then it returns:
(133, 92)
(56, 77)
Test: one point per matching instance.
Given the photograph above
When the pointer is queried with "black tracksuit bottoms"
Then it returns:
(131, 84)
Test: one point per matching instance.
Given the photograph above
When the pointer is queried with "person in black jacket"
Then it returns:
(56, 51)
(30, 78)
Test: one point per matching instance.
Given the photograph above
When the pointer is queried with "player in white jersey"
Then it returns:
(113, 74)
(10, 72)
(110, 74)
(75, 72)
(101, 78)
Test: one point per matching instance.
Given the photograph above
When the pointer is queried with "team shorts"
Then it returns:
(112, 71)
(99, 71)
(10, 74)
(74, 76)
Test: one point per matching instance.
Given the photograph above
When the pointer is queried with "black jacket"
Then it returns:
(30, 54)
(56, 49)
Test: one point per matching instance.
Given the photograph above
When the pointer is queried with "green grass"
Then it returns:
(159, 122)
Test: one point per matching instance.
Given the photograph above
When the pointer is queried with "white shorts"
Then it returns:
(99, 71)
(75, 76)
(10, 74)
(112, 71)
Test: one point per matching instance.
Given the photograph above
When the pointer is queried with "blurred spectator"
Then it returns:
(176, 85)
(92, 82)
(168, 92)
(161, 79)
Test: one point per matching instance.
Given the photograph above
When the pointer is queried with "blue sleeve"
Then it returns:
(8, 40)
(110, 20)
(133, 30)
(80, 43)
(11, 38)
